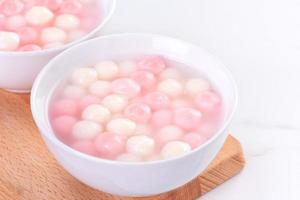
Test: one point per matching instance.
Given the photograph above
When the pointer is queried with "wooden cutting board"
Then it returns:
(29, 172)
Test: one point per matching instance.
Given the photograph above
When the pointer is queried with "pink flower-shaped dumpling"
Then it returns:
(194, 139)
(11, 7)
(85, 146)
(146, 79)
(63, 125)
(126, 86)
(208, 102)
(138, 112)
(109, 145)
(187, 118)
(154, 64)
(28, 35)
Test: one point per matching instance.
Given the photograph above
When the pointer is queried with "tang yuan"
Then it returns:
(34, 25)
(140, 109)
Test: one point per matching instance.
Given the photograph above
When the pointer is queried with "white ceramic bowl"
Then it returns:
(19, 69)
(132, 179)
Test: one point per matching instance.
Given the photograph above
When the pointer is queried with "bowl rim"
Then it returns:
(46, 131)
(69, 44)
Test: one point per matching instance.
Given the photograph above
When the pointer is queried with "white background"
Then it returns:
(259, 41)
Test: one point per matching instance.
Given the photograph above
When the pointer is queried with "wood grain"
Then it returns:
(29, 172)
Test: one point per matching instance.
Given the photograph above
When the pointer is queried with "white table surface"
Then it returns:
(259, 40)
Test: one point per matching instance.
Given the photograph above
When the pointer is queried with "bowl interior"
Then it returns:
(128, 45)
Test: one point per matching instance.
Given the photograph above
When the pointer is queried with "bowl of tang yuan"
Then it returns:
(137, 114)
(34, 31)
